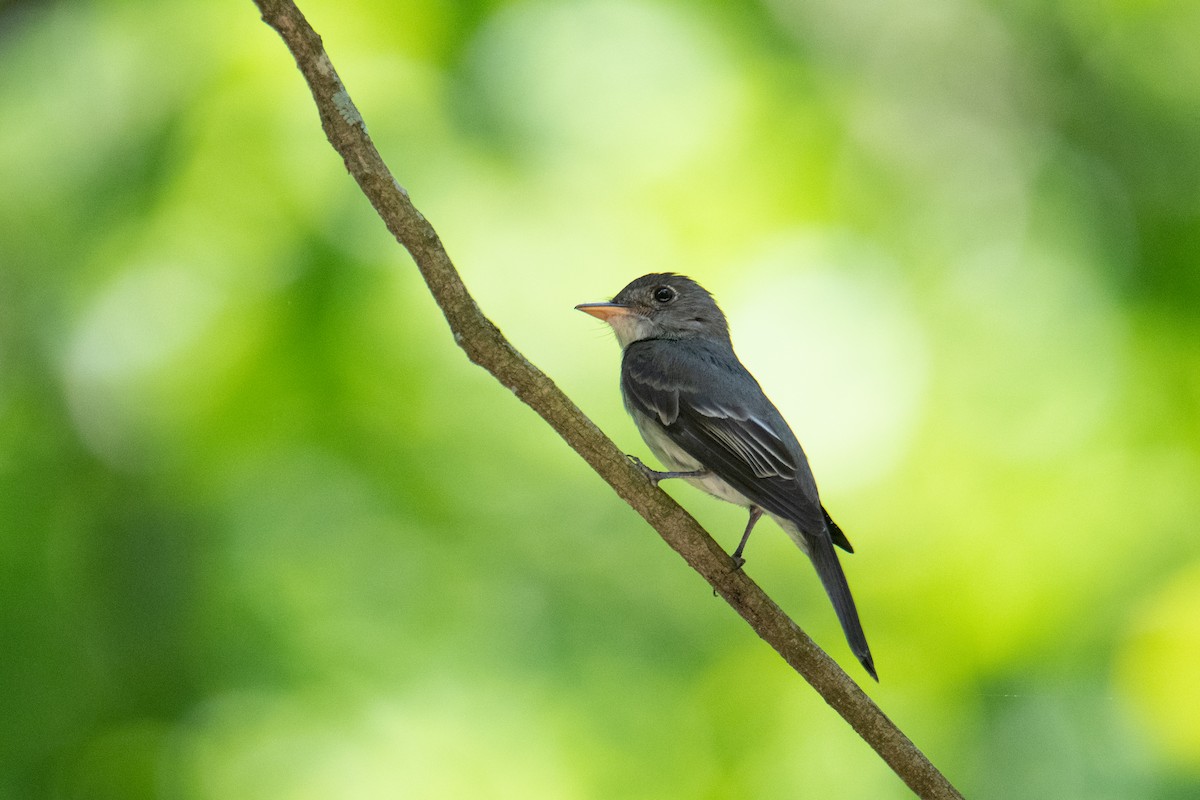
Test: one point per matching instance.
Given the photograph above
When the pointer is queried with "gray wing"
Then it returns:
(711, 407)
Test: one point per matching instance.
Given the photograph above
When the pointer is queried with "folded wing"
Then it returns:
(743, 439)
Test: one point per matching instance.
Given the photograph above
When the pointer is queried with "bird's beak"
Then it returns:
(604, 311)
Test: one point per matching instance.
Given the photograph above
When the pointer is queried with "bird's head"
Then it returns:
(661, 305)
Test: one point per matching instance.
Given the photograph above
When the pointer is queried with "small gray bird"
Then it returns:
(706, 418)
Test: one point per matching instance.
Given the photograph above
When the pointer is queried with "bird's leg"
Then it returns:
(755, 513)
(655, 476)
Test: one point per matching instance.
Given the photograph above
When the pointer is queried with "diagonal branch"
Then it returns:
(487, 347)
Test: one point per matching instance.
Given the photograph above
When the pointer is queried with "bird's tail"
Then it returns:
(830, 571)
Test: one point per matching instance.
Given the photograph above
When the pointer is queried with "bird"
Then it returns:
(707, 419)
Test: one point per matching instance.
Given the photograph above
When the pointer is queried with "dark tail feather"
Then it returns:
(830, 570)
(835, 533)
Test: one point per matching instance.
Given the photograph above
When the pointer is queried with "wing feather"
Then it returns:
(744, 440)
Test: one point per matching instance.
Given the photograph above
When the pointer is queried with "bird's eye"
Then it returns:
(664, 294)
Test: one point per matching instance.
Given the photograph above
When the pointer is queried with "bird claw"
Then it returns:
(738, 563)
(654, 476)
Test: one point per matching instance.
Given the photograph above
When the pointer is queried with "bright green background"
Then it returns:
(266, 533)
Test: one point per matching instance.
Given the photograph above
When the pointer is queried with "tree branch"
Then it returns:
(487, 347)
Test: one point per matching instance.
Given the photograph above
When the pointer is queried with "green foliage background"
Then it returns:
(265, 533)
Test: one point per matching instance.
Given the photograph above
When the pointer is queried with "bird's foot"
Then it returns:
(738, 563)
(651, 475)
(654, 476)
